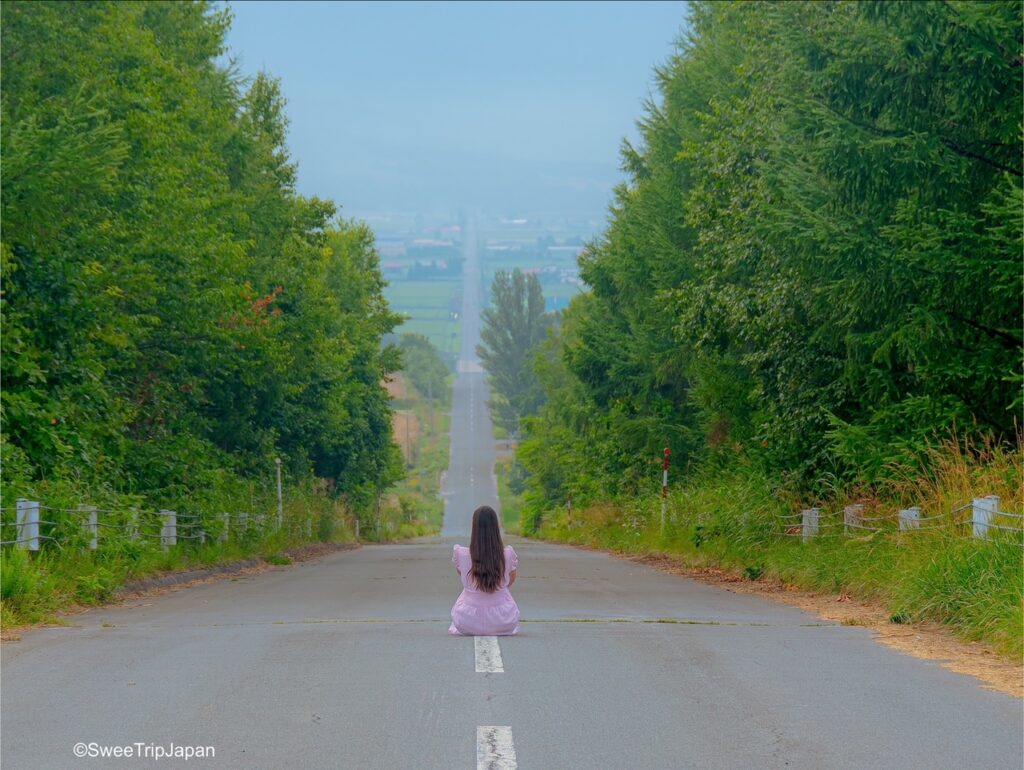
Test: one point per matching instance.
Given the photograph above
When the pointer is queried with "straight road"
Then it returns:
(345, 663)
(469, 481)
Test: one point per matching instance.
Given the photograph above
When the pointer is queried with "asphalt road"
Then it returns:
(469, 481)
(345, 663)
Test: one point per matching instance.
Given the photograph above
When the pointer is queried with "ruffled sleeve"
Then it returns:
(511, 559)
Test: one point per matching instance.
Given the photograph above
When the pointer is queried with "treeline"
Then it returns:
(175, 315)
(425, 368)
(814, 266)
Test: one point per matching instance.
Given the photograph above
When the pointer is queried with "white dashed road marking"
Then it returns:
(494, 749)
(488, 656)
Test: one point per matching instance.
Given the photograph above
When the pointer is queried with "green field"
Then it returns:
(428, 306)
(416, 295)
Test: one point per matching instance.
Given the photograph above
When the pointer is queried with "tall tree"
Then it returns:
(175, 315)
(814, 262)
(513, 325)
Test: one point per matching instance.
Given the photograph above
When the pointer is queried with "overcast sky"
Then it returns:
(425, 106)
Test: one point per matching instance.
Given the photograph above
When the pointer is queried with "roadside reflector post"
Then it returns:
(664, 488)
(568, 510)
(225, 527)
(809, 524)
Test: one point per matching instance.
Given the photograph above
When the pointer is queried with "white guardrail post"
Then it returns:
(169, 530)
(851, 516)
(28, 524)
(809, 523)
(983, 510)
(910, 518)
(91, 525)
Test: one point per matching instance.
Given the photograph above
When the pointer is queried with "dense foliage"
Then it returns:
(815, 263)
(175, 315)
(425, 368)
(512, 326)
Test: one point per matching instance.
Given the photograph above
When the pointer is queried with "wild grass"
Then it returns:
(415, 508)
(34, 586)
(511, 504)
(731, 519)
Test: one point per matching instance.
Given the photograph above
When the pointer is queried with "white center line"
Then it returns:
(488, 655)
(494, 749)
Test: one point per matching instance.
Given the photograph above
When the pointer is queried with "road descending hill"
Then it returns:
(345, 663)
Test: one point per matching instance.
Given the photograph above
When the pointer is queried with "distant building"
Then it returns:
(564, 252)
(390, 249)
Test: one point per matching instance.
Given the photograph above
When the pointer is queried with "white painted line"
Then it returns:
(488, 655)
(494, 749)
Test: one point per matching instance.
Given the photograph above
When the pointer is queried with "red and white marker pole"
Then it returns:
(664, 487)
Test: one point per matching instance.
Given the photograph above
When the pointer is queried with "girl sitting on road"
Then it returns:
(487, 570)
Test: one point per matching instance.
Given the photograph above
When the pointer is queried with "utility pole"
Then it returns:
(408, 446)
(430, 400)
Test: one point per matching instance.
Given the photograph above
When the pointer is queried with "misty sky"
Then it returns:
(511, 107)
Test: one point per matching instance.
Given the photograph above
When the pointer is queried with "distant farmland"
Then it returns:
(429, 305)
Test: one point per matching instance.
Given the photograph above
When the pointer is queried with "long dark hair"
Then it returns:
(486, 550)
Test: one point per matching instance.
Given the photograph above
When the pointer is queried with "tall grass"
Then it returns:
(511, 505)
(731, 518)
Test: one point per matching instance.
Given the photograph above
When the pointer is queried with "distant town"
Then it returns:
(421, 259)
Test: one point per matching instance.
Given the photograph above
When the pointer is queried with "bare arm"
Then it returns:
(511, 578)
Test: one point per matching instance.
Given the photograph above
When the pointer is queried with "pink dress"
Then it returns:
(477, 613)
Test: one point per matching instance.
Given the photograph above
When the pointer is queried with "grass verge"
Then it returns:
(35, 586)
(511, 503)
(733, 519)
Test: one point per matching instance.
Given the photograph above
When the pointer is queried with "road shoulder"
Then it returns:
(928, 641)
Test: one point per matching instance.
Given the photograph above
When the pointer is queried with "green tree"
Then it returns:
(175, 315)
(513, 325)
(815, 259)
(425, 367)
